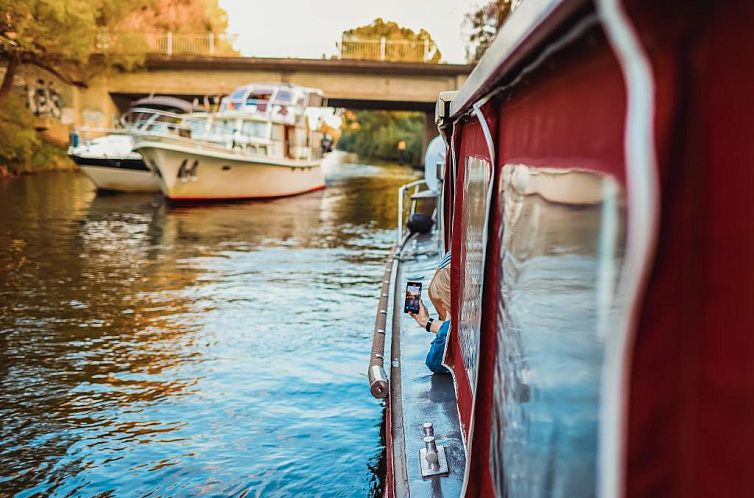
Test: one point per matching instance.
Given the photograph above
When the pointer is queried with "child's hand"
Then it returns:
(422, 317)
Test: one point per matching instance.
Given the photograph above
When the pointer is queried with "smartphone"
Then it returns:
(413, 294)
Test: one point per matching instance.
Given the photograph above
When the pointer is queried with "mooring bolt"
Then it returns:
(432, 457)
(431, 453)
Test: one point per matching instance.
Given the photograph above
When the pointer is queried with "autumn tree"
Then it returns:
(64, 37)
(54, 35)
(400, 43)
(187, 16)
(61, 36)
(484, 24)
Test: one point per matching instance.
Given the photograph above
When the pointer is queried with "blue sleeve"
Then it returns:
(437, 350)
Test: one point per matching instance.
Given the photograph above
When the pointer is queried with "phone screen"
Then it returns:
(413, 293)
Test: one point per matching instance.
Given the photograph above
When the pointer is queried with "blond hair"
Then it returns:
(439, 288)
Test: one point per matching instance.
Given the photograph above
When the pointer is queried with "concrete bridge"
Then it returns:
(355, 84)
(352, 84)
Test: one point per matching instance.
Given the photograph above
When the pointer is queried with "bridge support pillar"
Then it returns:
(430, 131)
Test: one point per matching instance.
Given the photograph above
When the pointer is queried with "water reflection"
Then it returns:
(206, 350)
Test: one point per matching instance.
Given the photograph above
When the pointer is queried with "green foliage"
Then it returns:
(22, 150)
(410, 47)
(18, 140)
(376, 135)
(62, 37)
(484, 24)
(55, 35)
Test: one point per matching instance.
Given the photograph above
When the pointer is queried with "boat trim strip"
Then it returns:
(643, 226)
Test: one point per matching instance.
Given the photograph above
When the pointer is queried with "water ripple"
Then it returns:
(217, 350)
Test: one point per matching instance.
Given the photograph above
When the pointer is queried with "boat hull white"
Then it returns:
(191, 174)
(121, 179)
(110, 162)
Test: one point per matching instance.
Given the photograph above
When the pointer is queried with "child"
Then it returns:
(439, 294)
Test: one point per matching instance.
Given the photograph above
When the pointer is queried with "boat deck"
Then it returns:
(418, 395)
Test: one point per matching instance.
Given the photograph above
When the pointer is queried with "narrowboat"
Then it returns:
(260, 144)
(596, 200)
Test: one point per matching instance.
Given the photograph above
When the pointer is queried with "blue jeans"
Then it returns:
(437, 350)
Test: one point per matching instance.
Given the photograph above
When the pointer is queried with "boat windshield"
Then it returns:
(284, 97)
(254, 100)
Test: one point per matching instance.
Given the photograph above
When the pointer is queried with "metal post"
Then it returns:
(431, 453)
(169, 41)
(400, 216)
(211, 43)
(382, 48)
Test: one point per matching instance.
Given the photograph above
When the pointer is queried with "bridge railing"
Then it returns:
(166, 43)
(385, 49)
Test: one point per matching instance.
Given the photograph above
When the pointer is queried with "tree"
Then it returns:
(61, 36)
(377, 134)
(484, 25)
(50, 34)
(400, 43)
(187, 16)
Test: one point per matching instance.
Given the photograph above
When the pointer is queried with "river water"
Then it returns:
(150, 350)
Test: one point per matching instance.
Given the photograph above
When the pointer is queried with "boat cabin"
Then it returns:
(273, 121)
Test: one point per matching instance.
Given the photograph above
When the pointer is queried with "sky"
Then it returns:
(310, 28)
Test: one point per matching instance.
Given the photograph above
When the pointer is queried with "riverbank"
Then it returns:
(24, 149)
(46, 158)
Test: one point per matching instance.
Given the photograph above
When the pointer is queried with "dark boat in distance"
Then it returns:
(596, 198)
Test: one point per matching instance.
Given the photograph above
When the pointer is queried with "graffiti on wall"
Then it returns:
(43, 99)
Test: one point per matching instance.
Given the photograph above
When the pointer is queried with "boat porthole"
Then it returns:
(226, 167)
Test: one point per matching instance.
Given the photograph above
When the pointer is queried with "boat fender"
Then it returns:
(419, 223)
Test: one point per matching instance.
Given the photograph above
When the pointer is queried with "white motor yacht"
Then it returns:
(260, 144)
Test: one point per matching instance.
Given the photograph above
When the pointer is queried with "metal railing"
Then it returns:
(385, 49)
(166, 43)
(415, 186)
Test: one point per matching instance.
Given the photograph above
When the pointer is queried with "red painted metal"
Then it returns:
(691, 400)
(569, 114)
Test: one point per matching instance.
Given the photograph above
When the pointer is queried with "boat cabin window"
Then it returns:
(237, 99)
(256, 129)
(257, 101)
(475, 208)
(164, 124)
(224, 126)
(197, 127)
(560, 255)
(277, 133)
(284, 97)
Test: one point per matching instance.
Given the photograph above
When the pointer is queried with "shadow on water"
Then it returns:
(219, 349)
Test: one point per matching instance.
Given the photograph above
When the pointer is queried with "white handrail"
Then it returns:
(401, 194)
